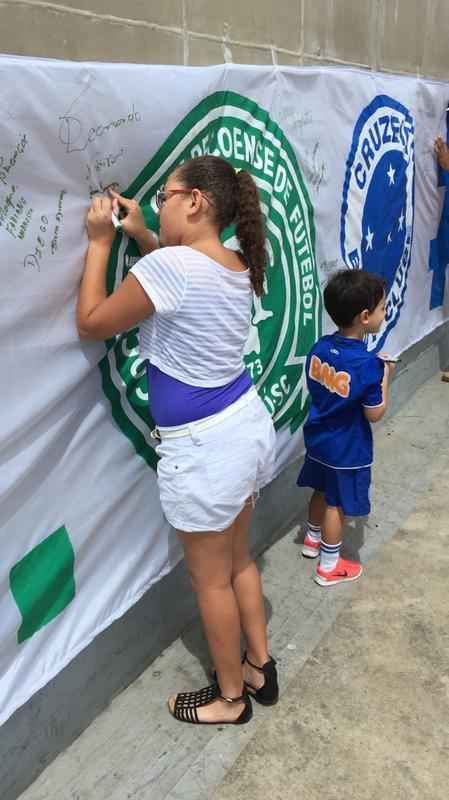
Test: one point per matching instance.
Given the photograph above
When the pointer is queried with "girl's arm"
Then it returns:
(98, 316)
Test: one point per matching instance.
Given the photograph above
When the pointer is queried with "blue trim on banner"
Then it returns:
(439, 247)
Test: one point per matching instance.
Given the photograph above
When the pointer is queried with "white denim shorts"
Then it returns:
(206, 477)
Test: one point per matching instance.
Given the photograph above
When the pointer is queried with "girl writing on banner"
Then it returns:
(192, 299)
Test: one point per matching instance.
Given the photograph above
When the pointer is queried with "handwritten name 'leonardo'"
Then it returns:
(73, 135)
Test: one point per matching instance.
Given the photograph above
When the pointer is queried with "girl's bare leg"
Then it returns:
(209, 561)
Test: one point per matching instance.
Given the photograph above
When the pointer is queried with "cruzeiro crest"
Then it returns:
(286, 321)
(378, 201)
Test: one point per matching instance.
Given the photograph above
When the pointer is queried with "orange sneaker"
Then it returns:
(343, 571)
(310, 548)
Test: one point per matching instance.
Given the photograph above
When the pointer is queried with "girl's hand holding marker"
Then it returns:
(127, 217)
(110, 213)
(116, 222)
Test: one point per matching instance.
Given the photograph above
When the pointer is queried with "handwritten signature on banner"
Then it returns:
(75, 136)
(76, 133)
(313, 167)
(97, 185)
(15, 213)
(327, 268)
(7, 163)
(297, 119)
(37, 228)
(34, 258)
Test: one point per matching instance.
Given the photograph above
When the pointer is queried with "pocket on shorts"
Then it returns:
(173, 469)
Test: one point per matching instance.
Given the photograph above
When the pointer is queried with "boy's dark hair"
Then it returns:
(350, 292)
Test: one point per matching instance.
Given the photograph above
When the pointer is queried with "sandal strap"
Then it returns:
(263, 669)
(254, 666)
(241, 699)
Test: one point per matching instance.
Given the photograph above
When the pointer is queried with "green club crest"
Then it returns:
(286, 321)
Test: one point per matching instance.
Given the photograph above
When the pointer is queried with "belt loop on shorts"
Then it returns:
(193, 431)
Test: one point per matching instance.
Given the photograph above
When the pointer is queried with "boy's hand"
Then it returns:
(389, 365)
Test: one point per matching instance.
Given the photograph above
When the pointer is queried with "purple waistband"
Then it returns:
(173, 402)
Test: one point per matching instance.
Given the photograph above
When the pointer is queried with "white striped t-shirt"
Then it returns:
(203, 312)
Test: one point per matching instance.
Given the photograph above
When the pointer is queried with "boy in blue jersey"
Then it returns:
(349, 390)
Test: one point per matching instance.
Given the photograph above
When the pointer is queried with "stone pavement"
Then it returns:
(364, 667)
(367, 715)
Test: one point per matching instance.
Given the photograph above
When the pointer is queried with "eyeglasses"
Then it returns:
(162, 195)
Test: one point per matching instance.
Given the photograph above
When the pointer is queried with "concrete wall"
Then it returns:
(393, 35)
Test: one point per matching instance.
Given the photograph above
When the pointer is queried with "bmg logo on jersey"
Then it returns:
(378, 201)
(335, 382)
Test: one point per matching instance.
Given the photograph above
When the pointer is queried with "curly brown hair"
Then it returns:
(235, 200)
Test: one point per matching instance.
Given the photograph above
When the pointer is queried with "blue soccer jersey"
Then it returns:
(343, 378)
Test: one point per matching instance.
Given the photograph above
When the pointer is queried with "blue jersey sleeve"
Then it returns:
(372, 377)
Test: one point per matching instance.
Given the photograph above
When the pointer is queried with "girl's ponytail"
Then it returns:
(250, 230)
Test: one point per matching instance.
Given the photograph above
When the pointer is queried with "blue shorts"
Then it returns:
(344, 488)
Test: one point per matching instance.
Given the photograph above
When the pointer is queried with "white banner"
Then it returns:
(343, 160)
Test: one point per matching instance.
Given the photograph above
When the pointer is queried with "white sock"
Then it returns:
(313, 532)
(329, 554)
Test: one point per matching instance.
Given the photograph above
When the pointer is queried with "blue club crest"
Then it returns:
(378, 201)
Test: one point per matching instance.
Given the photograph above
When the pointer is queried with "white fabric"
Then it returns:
(206, 478)
(203, 313)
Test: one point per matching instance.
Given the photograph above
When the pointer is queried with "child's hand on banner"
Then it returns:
(442, 153)
(389, 361)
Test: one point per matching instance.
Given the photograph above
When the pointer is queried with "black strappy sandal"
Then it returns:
(268, 694)
(187, 703)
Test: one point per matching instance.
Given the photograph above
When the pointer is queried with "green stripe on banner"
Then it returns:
(43, 582)
(137, 438)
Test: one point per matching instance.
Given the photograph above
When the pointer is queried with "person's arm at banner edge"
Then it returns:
(98, 316)
(442, 153)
